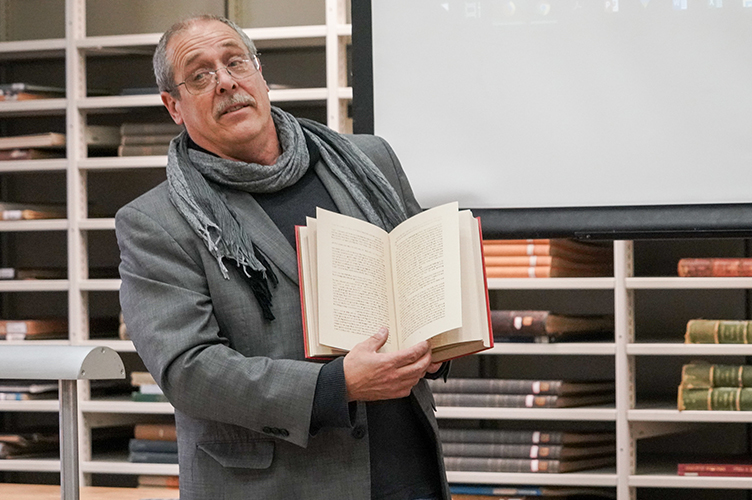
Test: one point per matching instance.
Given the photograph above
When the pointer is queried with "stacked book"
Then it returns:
(715, 267)
(29, 445)
(146, 139)
(21, 91)
(505, 492)
(545, 258)
(148, 390)
(99, 138)
(546, 326)
(153, 443)
(718, 331)
(503, 450)
(158, 481)
(30, 211)
(22, 390)
(34, 329)
(519, 393)
(706, 386)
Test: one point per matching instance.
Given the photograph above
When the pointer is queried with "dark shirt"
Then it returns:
(403, 457)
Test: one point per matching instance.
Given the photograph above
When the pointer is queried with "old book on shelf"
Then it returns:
(424, 280)
(552, 452)
(152, 457)
(152, 445)
(34, 329)
(164, 432)
(519, 386)
(97, 136)
(492, 491)
(31, 211)
(704, 375)
(158, 481)
(526, 465)
(521, 400)
(21, 91)
(30, 154)
(148, 390)
(27, 445)
(150, 128)
(537, 323)
(716, 267)
(719, 466)
(718, 331)
(513, 436)
(715, 399)
(22, 390)
(571, 250)
(144, 150)
(146, 139)
(584, 271)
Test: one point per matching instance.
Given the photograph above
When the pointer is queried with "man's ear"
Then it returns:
(173, 107)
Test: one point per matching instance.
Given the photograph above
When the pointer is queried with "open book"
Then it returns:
(424, 280)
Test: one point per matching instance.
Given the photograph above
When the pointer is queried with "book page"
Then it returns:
(475, 326)
(426, 263)
(354, 281)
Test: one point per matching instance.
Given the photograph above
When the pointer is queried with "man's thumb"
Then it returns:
(378, 339)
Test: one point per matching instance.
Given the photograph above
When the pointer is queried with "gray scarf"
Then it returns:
(204, 207)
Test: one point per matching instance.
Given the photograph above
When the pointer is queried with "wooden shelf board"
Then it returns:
(682, 349)
(34, 225)
(585, 413)
(598, 477)
(33, 285)
(122, 405)
(562, 348)
(33, 165)
(669, 283)
(551, 283)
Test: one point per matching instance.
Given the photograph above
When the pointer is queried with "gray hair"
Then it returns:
(163, 70)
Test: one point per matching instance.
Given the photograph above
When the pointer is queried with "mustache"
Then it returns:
(234, 100)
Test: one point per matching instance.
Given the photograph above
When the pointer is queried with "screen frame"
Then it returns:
(625, 222)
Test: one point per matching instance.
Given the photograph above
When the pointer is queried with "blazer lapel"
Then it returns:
(264, 233)
(345, 203)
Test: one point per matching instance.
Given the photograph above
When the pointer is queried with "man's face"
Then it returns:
(231, 117)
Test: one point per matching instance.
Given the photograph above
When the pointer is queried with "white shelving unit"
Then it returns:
(632, 418)
(74, 52)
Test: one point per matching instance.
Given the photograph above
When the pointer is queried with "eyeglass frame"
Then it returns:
(215, 73)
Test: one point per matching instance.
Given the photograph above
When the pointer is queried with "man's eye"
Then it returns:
(199, 77)
(235, 63)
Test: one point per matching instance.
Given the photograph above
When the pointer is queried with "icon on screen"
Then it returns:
(612, 5)
(680, 4)
(472, 9)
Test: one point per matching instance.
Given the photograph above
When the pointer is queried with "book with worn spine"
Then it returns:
(552, 452)
(704, 375)
(518, 386)
(521, 400)
(715, 267)
(718, 331)
(525, 465)
(715, 399)
(529, 437)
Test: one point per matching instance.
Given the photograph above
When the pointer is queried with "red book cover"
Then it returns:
(739, 467)
(715, 267)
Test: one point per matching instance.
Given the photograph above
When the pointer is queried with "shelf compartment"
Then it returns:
(597, 477)
(585, 413)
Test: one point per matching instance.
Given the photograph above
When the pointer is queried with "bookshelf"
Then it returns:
(84, 46)
(76, 39)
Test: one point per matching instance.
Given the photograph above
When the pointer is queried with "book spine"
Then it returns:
(499, 436)
(518, 260)
(153, 457)
(715, 398)
(519, 322)
(719, 267)
(500, 464)
(155, 431)
(701, 375)
(496, 386)
(705, 331)
(496, 400)
(483, 450)
(711, 469)
(152, 445)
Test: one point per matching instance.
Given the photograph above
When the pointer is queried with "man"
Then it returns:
(211, 299)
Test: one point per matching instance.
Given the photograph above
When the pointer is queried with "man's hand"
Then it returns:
(373, 376)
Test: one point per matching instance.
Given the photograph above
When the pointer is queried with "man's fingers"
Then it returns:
(411, 355)
(377, 340)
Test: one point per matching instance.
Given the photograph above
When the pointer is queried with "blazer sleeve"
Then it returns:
(169, 315)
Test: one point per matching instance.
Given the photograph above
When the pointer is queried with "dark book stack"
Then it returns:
(504, 492)
(501, 450)
(153, 443)
(30, 444)
(146, 139)
(546, 326)
(706, 386)
(147, 388)
(519, 393)
(546, 258)
(30, 211)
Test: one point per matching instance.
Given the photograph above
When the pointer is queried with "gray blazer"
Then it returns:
(241, 387)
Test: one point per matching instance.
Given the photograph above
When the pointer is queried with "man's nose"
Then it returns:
(225, 81)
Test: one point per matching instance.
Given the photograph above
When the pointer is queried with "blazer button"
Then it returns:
(358, 432)
(267, 430)
(284, 432)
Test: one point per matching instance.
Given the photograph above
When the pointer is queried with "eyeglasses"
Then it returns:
(204, 81)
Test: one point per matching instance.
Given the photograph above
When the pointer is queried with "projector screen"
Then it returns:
(566, 103)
